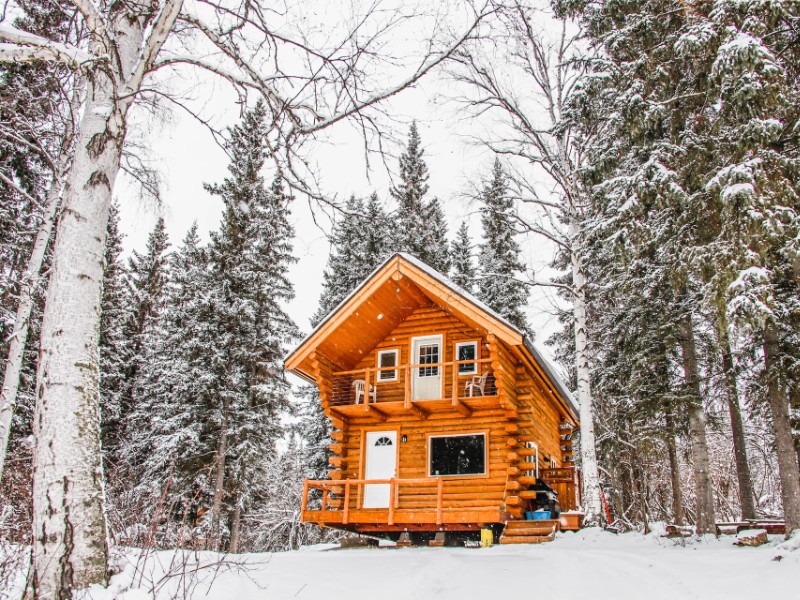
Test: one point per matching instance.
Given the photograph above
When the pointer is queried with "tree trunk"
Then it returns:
(219, 478)
(675, 472)
(794, 417)
(236, 522)
(19, 337)
(69, 530)
(787, 459)
(697, 431)
(746, 495)
(592, 505)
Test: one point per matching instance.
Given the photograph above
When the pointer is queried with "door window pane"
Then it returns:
(428, 355)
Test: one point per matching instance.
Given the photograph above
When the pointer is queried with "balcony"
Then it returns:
(413, 504)
(419, 389)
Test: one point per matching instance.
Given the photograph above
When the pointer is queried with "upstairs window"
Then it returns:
(388, 358)
(457, 454)
(467, 351)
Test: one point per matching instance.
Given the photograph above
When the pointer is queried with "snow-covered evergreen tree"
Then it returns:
(499, 284)
(463, 271)
(147, 281)
(115, 344)
(169, 444)
(419, 227)
(359, 243)
(249, 260)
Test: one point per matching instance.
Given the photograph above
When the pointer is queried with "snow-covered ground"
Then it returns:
(590, 564)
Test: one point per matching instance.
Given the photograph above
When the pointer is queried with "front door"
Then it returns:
(381, 463)
(426, 382)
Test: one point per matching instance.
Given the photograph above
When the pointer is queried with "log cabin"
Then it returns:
(446, 419)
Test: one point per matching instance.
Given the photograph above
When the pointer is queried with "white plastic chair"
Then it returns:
(358, 386)
(478, 383)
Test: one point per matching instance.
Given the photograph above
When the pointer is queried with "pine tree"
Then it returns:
(115, 345)
(359, 243)
(436, 247)
(499, 285)
(463, 270)
(147, 281)
(419, 227)
(249, 258)
(169, 442)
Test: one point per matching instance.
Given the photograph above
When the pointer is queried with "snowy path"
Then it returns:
(586, 565)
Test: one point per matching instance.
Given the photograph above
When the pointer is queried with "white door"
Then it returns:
(426, 382)
(381, 463)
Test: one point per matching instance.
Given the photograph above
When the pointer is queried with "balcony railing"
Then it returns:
(396, 384)
(343, 496)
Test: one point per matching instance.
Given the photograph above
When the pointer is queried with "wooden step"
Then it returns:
(546, 525)
(529, 532)
(526, 539)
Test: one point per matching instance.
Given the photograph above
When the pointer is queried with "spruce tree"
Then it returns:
(463, 272)
(359, 243)
(501, 269)
(419, 227)
(168, 445)
(249, 261)
(115, 345)
(147, 281)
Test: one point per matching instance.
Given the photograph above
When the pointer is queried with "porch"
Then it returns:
(427, 504)
(422, 504)
(416, 390)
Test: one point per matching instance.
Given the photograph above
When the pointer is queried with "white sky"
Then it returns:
(186, 156)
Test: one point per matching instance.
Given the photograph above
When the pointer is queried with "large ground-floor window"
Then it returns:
(461, 454)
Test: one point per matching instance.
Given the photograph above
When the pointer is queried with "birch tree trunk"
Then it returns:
(592, 505)
(706, 522)
(19, 337)
(69, 531)
(787, 459)
(674, 471)
(69, 546)
(746, 495)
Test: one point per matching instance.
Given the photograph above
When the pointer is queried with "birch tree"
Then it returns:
(531, 128)
(37, 129)
(309, 80)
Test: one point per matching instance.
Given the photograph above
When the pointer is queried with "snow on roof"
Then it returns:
(546, 365)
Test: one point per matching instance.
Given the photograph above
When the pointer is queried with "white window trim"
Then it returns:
(474, 365)
(380, 378)
(535, 446)
(452, 435)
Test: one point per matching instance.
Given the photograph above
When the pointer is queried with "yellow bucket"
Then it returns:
(487, 537)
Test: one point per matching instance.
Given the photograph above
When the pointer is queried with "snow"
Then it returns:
(587, 564)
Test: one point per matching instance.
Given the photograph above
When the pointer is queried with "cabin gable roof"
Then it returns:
(392, 292)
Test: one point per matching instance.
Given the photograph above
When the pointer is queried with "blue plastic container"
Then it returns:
(541, 515)
(529, 515)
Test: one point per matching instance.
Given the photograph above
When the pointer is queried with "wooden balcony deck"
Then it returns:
(422, 409)
(339, 507)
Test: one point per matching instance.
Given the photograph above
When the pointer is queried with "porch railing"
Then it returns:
(396, 382)
(337, 495)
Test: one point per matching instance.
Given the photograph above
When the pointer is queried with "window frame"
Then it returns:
(379, 374)
(534, 445)
(484, 434)
(476, 344)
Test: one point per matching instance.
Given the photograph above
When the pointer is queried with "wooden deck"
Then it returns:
(422, 504)
(420, 409)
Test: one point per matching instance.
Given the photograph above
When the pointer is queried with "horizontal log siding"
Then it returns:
(422, 322)
(481, 492)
